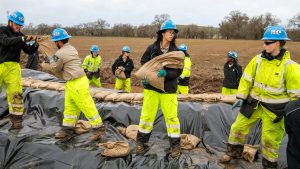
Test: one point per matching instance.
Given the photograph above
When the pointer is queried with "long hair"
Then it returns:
(160, 37)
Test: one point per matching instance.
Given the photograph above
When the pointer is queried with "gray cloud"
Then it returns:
(136, 12)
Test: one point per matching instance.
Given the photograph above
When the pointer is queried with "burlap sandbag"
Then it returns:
(26, 82)
(188, 141)
(56, 86)
(46, 46)
(149, 70)
(112, 97)
(250, 152)
(131, 131)
(100, 95)
(122, 130)
(120, 74)
(115, 149)
(82, 126)
(125, 97)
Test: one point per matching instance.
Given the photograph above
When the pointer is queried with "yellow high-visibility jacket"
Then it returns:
(270, 81)
(92, 64)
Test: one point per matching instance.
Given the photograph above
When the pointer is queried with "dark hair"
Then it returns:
(282, 43)
(64, 41)
(160, 37)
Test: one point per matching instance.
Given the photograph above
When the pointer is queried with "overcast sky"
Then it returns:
(136, 12)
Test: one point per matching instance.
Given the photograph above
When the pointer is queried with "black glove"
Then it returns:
(97, 74)
(89, 75)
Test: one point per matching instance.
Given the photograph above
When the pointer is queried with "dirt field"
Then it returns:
(208, 57)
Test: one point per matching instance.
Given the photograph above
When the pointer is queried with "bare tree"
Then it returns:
(159, 19)
(295, 21)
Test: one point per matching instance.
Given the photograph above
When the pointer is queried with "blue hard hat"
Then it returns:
(94, 48)
(232, 54)
(126, 49)
(275, 33)
(168, 24)
(183, 47)
(17, 17)
(60, 34)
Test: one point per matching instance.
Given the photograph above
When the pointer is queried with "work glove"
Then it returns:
(145, 82)
(239, 102)
(162, 73)
(46, 59)
(97, 73)
(89, 74)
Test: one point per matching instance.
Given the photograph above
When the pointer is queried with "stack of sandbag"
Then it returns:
(250, 152)
(149, 70)
(188, 141)
(115, 149)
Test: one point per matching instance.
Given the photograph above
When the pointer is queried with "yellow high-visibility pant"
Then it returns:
(10, 76)
(95, 81)
(227, 91)
(182, 89)
(271, 135)
(78, 98)
(168, 104)
(123, 84)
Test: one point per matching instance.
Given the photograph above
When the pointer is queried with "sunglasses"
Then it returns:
(269, 43)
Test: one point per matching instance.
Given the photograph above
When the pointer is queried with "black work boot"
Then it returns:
(65, 134)
(175, 152)
(268, 164)
(16, 121)
(141, 148)
(233, 152)
(98, 132)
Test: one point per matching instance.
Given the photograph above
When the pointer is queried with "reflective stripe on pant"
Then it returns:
(78, 98)
(182, 89)
(10, 76)
(123, 84)
(95, 81)
(168, 104)
(271, 135)
(227, 91)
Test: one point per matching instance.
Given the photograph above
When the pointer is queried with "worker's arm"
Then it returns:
(85, 63)
(8, 41)
(129, 67)
(292, 80)
(173, 73)
(146, 56)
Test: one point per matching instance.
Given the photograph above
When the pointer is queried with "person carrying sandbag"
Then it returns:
(122, 69)
(77, 94)
(91, 65)
(154, 97)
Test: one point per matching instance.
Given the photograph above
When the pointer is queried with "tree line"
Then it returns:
(236, 25)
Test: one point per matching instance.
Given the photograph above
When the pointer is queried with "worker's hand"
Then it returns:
(89, 74)
(29, 38)
(145, 81)
(239, 102)
(121, 68)
(162, 73)
(46, 59)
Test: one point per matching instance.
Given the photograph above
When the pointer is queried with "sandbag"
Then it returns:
(149, 70)
(188, 141)
(131, 131)
(46, 46)
(82, 126)
(122, 130)
(250, 152)
(115, 149)
(120, 74)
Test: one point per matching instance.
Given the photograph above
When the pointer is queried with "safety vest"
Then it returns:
(275, 81)
(187, 68)
(91, 63)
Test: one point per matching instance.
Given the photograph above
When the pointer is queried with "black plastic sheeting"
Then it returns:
(35, 147)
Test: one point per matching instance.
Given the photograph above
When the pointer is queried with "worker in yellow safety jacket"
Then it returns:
(184, 78)
(124, 65)
(12, 41)
(269, 82)
(232, 74)
(66, 63)
(154, 97)
(91, 65)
